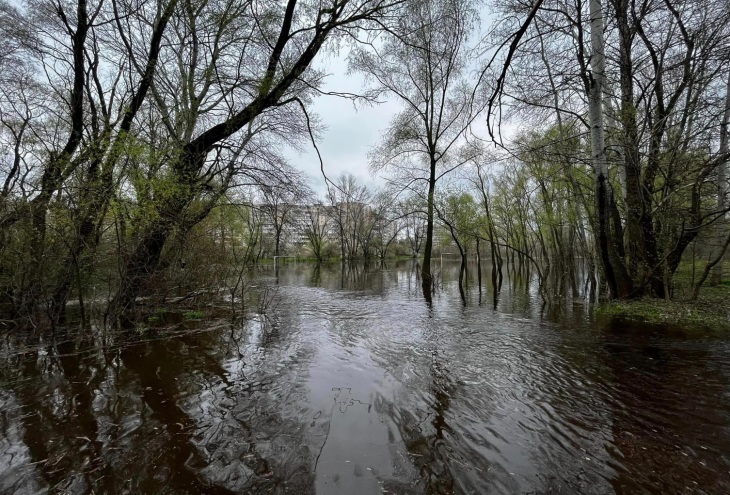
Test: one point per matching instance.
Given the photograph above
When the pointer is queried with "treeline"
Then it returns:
(621, 148)
(352, 223)
(636, 93)
(126, 122)
(128, 126)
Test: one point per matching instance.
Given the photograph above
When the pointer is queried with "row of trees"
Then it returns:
(351, 223)
(639, 92)
(133, 118)
(636, 94)
(127, 123)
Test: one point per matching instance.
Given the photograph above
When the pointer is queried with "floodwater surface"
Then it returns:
(350, 383)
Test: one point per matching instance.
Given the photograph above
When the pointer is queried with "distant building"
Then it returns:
(298, 220)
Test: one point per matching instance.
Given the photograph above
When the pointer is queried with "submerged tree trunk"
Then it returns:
(616, 275)
(479, 267)
(142, 262)
(426, 276)
(635, 204)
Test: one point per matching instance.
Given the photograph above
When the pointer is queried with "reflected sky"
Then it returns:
(352, 384)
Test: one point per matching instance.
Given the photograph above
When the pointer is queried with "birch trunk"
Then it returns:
(614, 270)
(722, 185)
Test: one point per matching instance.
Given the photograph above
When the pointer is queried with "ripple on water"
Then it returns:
(353, 384)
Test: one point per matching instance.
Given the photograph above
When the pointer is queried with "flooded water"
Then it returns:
(352, 384)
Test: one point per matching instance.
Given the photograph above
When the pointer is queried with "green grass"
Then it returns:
(193, 315)
(710, 311)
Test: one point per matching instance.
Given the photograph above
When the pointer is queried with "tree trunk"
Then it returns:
(635, 205)
(479, 267)
(614, 269)
(139, 266)
(426, 276)
(722, 185)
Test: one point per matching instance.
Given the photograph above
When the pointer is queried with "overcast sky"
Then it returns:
(350, 133)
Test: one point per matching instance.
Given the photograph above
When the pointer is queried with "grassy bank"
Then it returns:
(711, 310)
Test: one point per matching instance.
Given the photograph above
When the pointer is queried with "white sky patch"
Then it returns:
(351, 131)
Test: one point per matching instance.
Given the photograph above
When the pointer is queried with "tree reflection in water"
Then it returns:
(434, 398)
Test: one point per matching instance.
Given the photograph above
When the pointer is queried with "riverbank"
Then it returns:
(711, 310)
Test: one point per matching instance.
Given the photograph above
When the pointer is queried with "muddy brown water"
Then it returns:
(352, 384)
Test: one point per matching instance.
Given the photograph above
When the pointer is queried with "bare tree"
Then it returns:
(317, 228)
(615, 271)
(267, 85)
(280, 201)
(349, 203)
(422, 61)
(388, 223)
(660, 77)
(79, 138)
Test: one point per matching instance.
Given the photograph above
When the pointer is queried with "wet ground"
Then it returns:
(352, 384)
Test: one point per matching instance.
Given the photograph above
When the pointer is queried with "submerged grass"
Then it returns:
(711, 310)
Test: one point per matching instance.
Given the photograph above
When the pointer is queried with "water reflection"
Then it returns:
(353, 385)
(658, 423)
